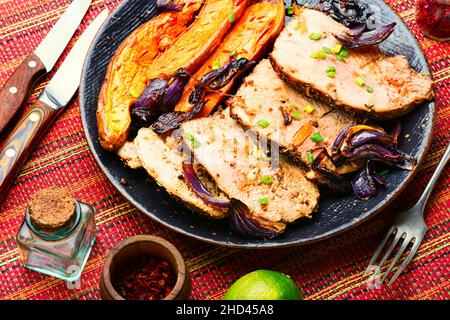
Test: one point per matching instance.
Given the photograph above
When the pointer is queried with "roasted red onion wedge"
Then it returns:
(385, 154)
(324, 176)
(159, 97)
(200, 190)
(366, 182)
(242, 221)
(369, 38)
(219, 78)
(369, 136)
(145, 109)
(168, 5)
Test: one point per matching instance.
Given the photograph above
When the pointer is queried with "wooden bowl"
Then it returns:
(129, 250)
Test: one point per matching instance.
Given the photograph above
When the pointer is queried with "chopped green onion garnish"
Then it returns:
(383, 172)
(239, 57)
(263, 123)
(215, 65)
(339, 58)
(309, 108)
(344, 53)
(232, 16)
(337, 49)
(194, 142)
(321, 54)
(267, 180)
(359, 81)
(298, 26)
(289, 11)
(315, 36)
(331, 69)
(310, 157)
(369, 89)
(296, 114)
(291, 107)
(326, 50)
(331, 74)
(314, 55)
(263, 200)
(316, 137)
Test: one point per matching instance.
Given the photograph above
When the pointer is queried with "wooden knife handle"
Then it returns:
(19, 144)
(16, 90)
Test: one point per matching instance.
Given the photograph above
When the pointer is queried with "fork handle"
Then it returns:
(434, 178)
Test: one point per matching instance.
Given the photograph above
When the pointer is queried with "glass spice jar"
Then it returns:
(54, 242)
(433, 18)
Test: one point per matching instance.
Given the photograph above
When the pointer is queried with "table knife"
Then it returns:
(57, 95)
(15, 91)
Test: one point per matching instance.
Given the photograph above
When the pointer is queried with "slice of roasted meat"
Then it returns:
(267, 105)
(275, 190)
(162, 159)
(361, 80)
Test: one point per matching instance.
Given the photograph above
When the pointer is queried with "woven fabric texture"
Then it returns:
(333, 269)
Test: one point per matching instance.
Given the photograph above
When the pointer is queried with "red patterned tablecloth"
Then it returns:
(333, 269)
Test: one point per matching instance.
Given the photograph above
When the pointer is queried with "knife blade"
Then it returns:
(15, 91)
(58, 93)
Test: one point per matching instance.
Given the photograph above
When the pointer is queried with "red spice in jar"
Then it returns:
(148, 278)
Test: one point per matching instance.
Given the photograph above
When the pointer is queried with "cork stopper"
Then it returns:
(51, 209)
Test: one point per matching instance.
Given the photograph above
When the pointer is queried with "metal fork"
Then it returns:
(409, 227)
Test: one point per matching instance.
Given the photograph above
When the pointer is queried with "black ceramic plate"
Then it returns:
(335, 214)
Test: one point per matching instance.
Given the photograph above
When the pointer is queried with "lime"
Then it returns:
(264, 285)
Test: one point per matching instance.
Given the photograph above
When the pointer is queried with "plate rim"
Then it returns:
(268, 244)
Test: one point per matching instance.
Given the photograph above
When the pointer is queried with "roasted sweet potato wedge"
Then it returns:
(188, 51)
(127, 70)
(253, 34)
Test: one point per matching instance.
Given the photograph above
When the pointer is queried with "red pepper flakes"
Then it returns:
(148, 278)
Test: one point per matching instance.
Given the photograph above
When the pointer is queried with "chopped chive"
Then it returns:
(291, 107)
(359, 81)
(316, 137)
(232, 16)
(326, 50)
(267, 180)
(263, 123)
(331, 74)
(315, 36)
(383, 172)
(298, 26)
(337, 49)
(331, 69)
(296, 114)
(321, 54)
(339, 58)
(344, 53)
(239, 56)
(263, 200)
(314, 55)
(369, 89)
(215, 65)
(310, 157)
(289, 11)
(309, 108)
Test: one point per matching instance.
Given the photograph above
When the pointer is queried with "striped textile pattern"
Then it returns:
(333, 269)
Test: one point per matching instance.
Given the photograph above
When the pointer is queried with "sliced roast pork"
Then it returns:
(162, 159)
(362, 80)
(275, 190)
(267, 105)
